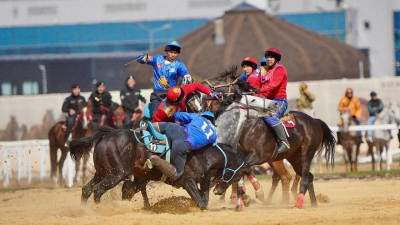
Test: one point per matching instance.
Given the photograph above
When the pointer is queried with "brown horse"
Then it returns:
(113, 118)
(349, 141)
(118, 155)
(56, 136)
(256, 140)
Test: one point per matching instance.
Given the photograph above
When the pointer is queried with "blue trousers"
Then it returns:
(179, 147)
(371, 121)
(275, 119)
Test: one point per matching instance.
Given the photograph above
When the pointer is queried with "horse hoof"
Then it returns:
(239, 205)
(246, 200)
(299, 203)
(260, 195)
(204, 211)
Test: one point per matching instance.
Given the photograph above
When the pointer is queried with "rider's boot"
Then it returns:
(283, 143)
(166, 168)
(67, 139)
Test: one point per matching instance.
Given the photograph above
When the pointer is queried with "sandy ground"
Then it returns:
(346, 201)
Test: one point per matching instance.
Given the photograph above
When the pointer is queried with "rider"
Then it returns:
(273, 80)
(167, 71)
(98, 104)
(351, 103)
(130, 99)
(250, 72)
(71, 106)
(176, 101)
(193, 132)
(375, 106)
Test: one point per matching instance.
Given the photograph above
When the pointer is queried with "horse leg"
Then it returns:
(244, 197)
(388, 156)
(295, 186)
(346, 159)
(191, 187)
(222, 197)
(87, 189)
(106, 184)
(371, 151)
(275, 181)
(286, 177)
(357, 152)
(234, 192)
(256, 186)
(379, 157)
(240, 194)
(303, 168)
(311, 190)
(53, 161)
(142, 184)
(64, 152)
(205, 189)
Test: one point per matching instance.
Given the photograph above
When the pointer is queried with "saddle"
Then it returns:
(288, 119)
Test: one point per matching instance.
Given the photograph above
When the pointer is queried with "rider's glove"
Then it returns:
(187, 79)
(257, 91)
(214, 95)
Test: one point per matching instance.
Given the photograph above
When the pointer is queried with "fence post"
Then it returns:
(29, 167)
(6, 181)
(42, 172)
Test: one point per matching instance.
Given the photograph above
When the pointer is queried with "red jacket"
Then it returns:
(254, 79)
(273, 82)
(167, 110)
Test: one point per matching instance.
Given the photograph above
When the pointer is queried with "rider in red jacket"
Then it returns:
(273, 80)
(176, 101)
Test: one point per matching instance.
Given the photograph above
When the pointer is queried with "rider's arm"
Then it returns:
(190, 88)
(146, 59)
(370, 109)
(342, 106)
(310, 96)
(183, 118)
(65, 106)
(358, 108)
(275, 82)
(381, 106)
(182, 71)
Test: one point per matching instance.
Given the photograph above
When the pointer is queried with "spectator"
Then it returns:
(304, 102)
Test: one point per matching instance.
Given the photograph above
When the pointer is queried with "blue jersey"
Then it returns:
(165, 76)
(199, 130)
(254, 74)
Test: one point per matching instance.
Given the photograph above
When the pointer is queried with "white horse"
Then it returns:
(381, 138)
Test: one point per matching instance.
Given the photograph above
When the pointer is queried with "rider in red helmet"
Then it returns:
(250, 72)
(176, 101)
(273, 80)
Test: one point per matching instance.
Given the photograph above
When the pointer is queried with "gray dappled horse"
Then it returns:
(381, 138)
(349, 141)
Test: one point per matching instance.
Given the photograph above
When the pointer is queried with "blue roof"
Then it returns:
(244, 6)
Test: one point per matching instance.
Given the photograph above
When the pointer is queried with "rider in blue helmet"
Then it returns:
(167, 71)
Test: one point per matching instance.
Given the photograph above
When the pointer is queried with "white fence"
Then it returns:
(29, 160)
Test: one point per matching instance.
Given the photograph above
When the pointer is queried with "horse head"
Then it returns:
(117, 115)
(347, 120)
(227, 84)
(394, 112)
(193, 102)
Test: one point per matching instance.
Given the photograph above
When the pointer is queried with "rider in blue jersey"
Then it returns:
(193, 132)
(167, 71)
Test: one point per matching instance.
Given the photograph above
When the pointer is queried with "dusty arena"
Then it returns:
(341, 201)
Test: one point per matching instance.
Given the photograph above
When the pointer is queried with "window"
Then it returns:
(6, 89)
(30, 88)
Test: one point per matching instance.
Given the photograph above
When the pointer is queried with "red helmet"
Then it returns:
(250, 62)
(274, 52)
(175, 94)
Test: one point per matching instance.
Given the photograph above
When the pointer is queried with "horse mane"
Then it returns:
(239, 156)
(244, 86)
(231, 72)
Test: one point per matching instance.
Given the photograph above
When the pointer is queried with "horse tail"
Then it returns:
(80, 147)
(328, 143)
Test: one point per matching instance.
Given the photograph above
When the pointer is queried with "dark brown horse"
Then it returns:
(256, 140)
(56, 136)
(118, 155)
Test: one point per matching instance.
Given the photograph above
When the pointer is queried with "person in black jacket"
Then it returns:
(130, 99)
(71, 107)
(98, 104)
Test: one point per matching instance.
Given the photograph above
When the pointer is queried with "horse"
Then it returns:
(349, 141)
(113, 118)
(118, 155)
(56, 137)
(381, 138)
(254, 138)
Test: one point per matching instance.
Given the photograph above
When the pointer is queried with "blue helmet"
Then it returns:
(263, 61)
(173, 46)
(208, 113)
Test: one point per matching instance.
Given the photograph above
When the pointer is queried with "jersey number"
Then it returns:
(209, 132)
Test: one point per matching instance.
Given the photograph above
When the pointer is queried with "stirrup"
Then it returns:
(148, 164)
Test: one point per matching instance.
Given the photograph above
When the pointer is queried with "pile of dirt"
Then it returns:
(174, 205)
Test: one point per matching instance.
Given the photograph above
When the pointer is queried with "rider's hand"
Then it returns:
(257, 91)
(214, 95)
(145, 57)
(187, 79)
(71, 112)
